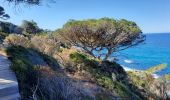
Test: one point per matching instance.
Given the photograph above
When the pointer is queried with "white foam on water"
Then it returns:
(128, 61)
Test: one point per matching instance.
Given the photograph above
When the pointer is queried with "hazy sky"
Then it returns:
(151, 15)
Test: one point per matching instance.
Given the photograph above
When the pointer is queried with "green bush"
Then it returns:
(78, 57)
(167, 76)
(137, 80)
(100, 77)
(24, 70)
(91, 67)
(50, 61)
(2, 36)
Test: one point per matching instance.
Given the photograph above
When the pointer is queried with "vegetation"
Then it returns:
(102, 74)
(156, 68)
(2, 36)
(59, 65)
(15, 39)
(102, 34)
(27, 28)
(45, 44)
(7, 27)
(31, 2)
(52, 84)
(41, 43)
(167, 77)
(3, 15)
(23, 69)
(154, 87)
(30, 27)
(27, 71)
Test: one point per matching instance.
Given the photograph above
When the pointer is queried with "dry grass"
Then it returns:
(57, 86)
(65, 53)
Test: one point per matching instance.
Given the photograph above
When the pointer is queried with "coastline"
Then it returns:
(130, 69)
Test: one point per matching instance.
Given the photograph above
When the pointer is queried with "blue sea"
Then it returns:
(155, 51)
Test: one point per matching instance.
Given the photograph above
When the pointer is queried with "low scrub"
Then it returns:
(15, 39)
(154, 88)
(41, 43)
(102, 72)
(2, 36)
(45, 45)
(56, 86)
(43, 82)
(23, 69)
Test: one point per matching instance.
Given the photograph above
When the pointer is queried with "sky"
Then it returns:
(152, 16)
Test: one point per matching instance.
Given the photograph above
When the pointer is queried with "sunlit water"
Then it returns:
(155, 50)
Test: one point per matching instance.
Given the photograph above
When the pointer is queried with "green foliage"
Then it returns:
(123, 90)
(8, 27)
(30, 27)
(101, 34)
(167, 77)
(3, 15)
(2, 36)
(154, 87)
(24, 70)
(137, 79)
(103, 96)
(56, 36)
(100, 77)
(50, 61)
(78, 57)
(156, 68)
(30, 2)
(144, 78)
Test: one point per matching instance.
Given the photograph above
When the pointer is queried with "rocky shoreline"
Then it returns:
(154, 76)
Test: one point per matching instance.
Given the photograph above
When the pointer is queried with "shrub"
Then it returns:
(61, 88)
(23, 69)
(2, 36)
(50, 61)
(154, 87)
(77, 57)
(101, 76)
(15, 39)
(44, 44)
(28, 74)
(167, 77)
